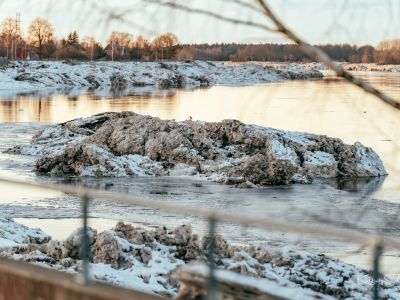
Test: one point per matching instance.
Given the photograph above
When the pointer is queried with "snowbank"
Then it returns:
(23, 77)
(148, 260)
(13, 234)
(128, 144)
(371, 67)
(359, 67)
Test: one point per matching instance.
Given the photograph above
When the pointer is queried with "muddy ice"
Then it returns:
(231, 152)
(148, 259)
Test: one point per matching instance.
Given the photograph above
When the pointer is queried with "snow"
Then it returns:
(367, 161)
(46, 77)
(144, 277)
(358, 67)
(270, 286)
(291, 274)
(280, 151)
(310, 270)
(60, 138)
(370, 67)
(114, 145)
(319, 158)
(14, 234)
(107, 164)
(300, 138)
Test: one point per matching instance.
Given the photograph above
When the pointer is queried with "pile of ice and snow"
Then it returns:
(370, 67)
(358, 67)
(153, 260)
(129, 144)
(33, 76)
(13, 234)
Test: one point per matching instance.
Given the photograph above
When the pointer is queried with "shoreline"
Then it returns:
(371, 67)
(125, 78)
(60, 229)
(148, 259)
(47, 77)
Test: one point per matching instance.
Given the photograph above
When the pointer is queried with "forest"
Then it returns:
(387, 52)
(40, 42)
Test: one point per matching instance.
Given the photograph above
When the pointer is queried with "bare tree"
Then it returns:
(9, 31)
(89, 44)
(121, 40)
(388, 52)
(163, 42)
(40, 32)
(157, 44)
(170, 40)
(141, 44)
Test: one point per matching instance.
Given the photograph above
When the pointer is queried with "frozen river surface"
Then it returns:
(327, 106)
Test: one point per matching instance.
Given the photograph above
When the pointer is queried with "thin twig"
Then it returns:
(244, 4)
(208, 13)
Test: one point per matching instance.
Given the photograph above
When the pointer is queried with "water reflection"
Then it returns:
(329, 106)
(363, 186)
(59, 108)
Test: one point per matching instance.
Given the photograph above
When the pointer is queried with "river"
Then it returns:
(329, 106)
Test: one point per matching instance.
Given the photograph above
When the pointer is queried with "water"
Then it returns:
(328, 106)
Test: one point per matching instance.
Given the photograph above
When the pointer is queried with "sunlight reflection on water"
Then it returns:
(328, 106)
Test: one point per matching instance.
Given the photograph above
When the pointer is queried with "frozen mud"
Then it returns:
(151, 259)
(231, 152)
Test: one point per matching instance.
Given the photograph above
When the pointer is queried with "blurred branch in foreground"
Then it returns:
(312, 51)
(319, 55)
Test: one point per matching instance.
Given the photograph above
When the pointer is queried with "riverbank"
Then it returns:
(339, 112)
(371, 67)
(355, 67)
(105, 78)
(72, 77)
(148, 259)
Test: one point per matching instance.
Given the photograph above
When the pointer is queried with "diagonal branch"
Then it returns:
(312, 51)
(319, 55)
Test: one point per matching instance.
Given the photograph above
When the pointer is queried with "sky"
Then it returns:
(317, 21)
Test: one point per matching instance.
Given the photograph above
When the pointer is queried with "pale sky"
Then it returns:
(318, 21)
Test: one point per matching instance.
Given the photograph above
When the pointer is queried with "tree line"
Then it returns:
(387, 52)
(41, 43)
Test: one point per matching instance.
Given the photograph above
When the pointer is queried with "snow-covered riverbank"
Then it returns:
(356, 67)
(147, 259)
(43, 78)
(371, 67)
(46, 77)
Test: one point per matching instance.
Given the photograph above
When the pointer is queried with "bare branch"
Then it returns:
(244, 4)
(312, 51)
(211, 14)
(319, 55)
